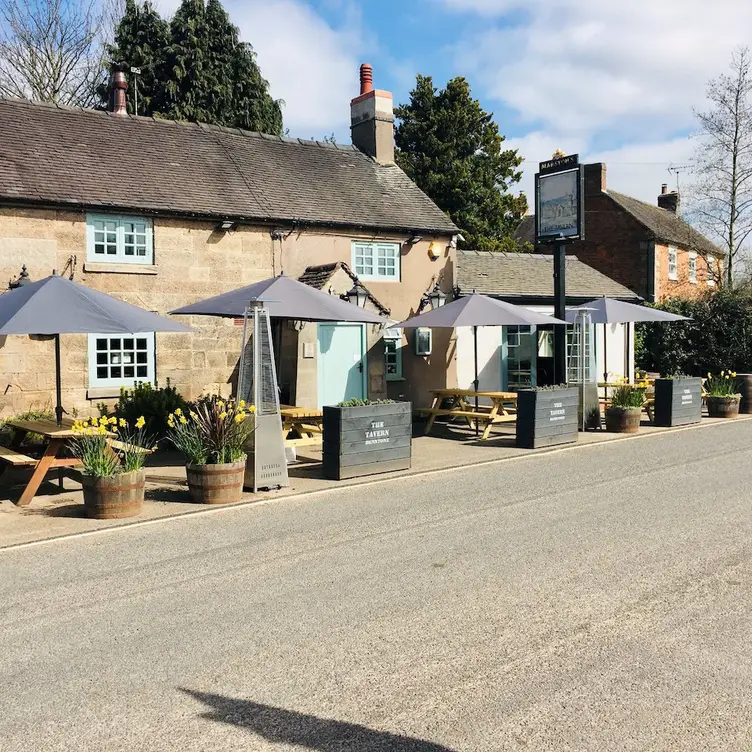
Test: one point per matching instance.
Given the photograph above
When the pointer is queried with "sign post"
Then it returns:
(559, 219)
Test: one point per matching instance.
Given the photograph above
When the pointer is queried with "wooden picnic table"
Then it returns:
(56, 436)
(503, 408)
(305, 421)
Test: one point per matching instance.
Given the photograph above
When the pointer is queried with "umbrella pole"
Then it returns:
(476, 383)
(605, 352)
(58, 383)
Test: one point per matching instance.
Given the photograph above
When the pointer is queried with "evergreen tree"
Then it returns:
(141, 40)
(452, 149)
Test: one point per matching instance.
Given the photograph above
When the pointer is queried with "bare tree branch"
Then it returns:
(53, 50)
(722, 192)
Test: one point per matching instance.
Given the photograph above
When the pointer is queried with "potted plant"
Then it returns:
(723, 398)
(211, 438)
(546, 416)
(113, 479)
(627, 400)
(363, 437)
(678, 400)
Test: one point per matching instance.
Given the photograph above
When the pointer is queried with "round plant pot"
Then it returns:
(115, 497)
(216, 484)
(623, 419)
(724, 407)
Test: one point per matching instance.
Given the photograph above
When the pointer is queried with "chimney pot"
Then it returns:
(366, 78)
(119, 87)
(664, 189)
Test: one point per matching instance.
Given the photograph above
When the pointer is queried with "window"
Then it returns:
(673, 267)
(712, 271)
(393, 354)
(693, 267)
(119, 240)
(521, 345)
(377, 261)
(116, 360)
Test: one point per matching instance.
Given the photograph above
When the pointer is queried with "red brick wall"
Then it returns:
(680, 287)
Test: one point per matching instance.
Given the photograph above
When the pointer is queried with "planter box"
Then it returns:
(678, 402)
(547, 417)
(115, 497)
(366, 440)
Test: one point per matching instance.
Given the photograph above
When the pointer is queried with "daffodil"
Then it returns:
(183, 419)
(122, 423)
(239, 417)
(241, 404)
(252, 409)
(194, 415)
(178, 411)
(222, 415)
(171, 421)
(141, 422)
(733, 374)
(221, 405)
(104, 420)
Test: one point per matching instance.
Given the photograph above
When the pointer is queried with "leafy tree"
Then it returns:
(141, 39)
(723, 162)
(452, 149)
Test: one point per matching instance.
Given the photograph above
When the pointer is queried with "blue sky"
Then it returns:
(615, 81)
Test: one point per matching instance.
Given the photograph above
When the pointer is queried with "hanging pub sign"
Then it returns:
(559, 208)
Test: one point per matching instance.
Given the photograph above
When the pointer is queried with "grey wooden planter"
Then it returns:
(678, 402)
(366, 440)
(547, 417)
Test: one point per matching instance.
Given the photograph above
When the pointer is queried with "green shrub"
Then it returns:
(154, 403)
(6, 432)
(355, 402)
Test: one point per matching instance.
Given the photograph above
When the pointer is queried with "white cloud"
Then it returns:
(310, 64)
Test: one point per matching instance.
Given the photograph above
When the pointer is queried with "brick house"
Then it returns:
(162, 214)
(649, 249)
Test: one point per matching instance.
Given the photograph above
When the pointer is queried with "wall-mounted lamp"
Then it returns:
(436, 298)
(357, 295)
(435, 250)
(414, 239)
(227, 225)
(22, 279)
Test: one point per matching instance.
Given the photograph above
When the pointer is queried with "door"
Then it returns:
(341, 363)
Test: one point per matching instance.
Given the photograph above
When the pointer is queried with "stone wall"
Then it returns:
(192, 261)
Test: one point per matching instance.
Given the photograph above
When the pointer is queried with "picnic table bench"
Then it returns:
(305, 421)
(460, 403)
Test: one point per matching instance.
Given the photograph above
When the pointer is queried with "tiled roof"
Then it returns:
(661, 224)
(530, 275)
(69, 156)
(665, 225)
(319, 276)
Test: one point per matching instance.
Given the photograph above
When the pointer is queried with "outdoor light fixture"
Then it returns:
(227, 225)
(434, 250)
(357, 295)
(436, 298)
(22, 279)
(414, 239)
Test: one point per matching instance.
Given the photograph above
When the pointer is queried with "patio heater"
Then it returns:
(581, 370)
(266, 466)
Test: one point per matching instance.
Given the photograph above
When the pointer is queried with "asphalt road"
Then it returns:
(594, 599)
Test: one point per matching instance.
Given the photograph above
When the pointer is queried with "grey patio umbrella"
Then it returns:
(478, 310)
(284, 298)
(55, 306)
(609, 311)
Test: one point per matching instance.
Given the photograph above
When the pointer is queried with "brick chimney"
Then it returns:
(372, 119)
(595, 178)
(669, 201)
(118, 87)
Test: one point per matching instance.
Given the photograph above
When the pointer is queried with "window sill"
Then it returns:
(96, 268)
(102, 392)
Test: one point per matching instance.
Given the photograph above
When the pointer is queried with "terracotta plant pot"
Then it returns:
(623, 419)
(115, 497)
(724, 407)
(216, 484)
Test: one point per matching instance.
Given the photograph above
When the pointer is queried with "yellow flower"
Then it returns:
(221, 405)
(183, 419)
(194, 415)
(104, 420)
(171, 421)
(241, 404)
(178, 411)
(114, 429)
(140, 423)
(733, 374)
(252, 409)
(710, 375)
(102, 431)
(122, 423)
(240, 417)
(723, 373)
(222, 416)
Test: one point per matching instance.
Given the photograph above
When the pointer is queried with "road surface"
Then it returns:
(593, 599)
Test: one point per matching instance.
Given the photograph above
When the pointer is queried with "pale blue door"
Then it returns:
(341, 363)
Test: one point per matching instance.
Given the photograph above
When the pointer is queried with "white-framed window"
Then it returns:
(121, 359)
(693, 267)
(393, 354)
(521, 344)
(376, 261)
(673, 263)
(119, 240)
(712, 270)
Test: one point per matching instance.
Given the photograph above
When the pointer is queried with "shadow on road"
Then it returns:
(308, 731)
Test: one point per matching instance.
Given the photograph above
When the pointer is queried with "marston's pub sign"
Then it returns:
(558, 200)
